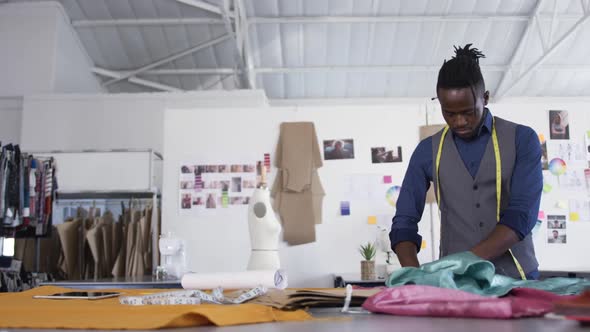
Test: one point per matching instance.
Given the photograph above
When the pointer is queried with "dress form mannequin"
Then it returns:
(264, 231)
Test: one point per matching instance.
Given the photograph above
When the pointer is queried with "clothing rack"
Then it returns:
(117, 174)
(89, 197)
(105, 195)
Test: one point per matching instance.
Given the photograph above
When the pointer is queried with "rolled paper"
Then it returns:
(235, 280)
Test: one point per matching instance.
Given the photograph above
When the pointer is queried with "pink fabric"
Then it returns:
(415, 300)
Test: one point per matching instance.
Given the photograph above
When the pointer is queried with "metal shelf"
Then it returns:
(104, 195)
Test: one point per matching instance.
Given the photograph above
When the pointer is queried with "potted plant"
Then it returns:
(368, 252)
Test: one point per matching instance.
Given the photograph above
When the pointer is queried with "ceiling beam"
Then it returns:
(244, 26)
(540, 31)
(554, 21)
(519, 47)
(372, 69)
(136, 80)
(381, 19)
(315, 19)
(544, 57)
(202, 5)
(233, 29)
(169, 59)
(192, 71)
(402, 18)
(289, 70)
(146, 22)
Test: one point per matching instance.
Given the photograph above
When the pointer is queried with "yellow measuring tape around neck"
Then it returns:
(498, 181)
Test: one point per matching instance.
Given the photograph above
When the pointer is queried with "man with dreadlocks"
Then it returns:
(486, 173)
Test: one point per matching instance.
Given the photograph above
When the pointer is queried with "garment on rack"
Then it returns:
(467, 272)
(27, 190)
(415, 300)
(70, 264)
(49, 249)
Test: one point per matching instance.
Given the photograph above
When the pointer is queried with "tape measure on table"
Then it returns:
(192, 297)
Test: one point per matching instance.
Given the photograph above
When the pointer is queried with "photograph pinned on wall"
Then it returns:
(239, 200)
(559, 125)
(212, 185)
(224, 186)
(556, 236)
(267, 162)
(198, 182)
(259, 168)
(556, 222)
(386, 155)
(185, 201)
(200, 169)
(571, 152)
(237, 168)
(223, 168)
(250, 168)
(248, 184)
(573, 180)
(211, 201)
(579, 210)
(224, 199)
(587, 149)
(544, 159)
(212, 168)
(187, 184)
(236, 184)
(336, 149)
(187, 169)
(198, 201)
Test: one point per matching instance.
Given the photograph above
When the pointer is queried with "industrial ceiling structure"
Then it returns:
(333, 48)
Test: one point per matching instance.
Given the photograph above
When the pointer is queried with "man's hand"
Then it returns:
(496, 244)
(407, 254)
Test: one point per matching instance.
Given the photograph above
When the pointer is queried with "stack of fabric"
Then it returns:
(463, 285)
(109, 314)
(577, 308)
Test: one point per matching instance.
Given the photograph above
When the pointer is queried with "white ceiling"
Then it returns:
(335, 48)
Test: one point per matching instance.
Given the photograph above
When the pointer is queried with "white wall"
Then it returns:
(10, 120)
(220, 242)
(118, 121)
(41, 52)
(27, 35)
(92, 122)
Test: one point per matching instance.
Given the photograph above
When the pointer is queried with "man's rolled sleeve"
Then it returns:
(526, 184)
(410, 203)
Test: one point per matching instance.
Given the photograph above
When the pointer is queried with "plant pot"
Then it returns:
(367, 270)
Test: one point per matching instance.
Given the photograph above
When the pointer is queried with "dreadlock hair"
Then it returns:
(462, 71)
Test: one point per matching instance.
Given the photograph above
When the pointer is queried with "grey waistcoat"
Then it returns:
(468, 205)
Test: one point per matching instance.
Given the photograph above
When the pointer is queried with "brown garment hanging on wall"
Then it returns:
(297, 190)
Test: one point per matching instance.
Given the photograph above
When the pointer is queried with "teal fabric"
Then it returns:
(468, 272)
